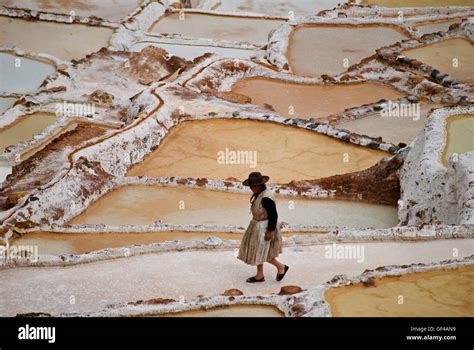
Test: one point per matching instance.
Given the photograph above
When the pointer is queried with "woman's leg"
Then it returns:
(259, 275)
(280, 267)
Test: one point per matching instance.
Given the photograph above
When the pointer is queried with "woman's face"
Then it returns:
(255, 189)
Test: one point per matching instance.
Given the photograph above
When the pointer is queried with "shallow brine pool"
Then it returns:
(314, 50)
(459, 136)
(58, 243)
(64, 41)
(441, 293)
(418, 3)
(25, 128)
(21, 74)
(451, 56)
(142, 205)
(394, 128)
(232, 28)
(6, 103)
(112, 10)
(435, 26)
(232, 311)
(312, 101)
(223, 148)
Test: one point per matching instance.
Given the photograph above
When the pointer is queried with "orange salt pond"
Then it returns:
(418, 3)
(142, 205)
(393, 129)
(283, 8)
(459, 139)
(58, 243)
(231, 311)
(24, 128)
(64, 41)
(452, 56)
(79, 243)
(112, 10)
(209, 149)
(190, 52)
(440, 293)
(232, 28)
(435, 26)
(314, 50)
(294, 100)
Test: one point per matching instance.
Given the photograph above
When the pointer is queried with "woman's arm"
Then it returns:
(270, 207)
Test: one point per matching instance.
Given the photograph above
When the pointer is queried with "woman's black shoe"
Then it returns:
(281, 275)
(254, 280)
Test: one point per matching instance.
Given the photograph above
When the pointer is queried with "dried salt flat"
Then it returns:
(191, 273)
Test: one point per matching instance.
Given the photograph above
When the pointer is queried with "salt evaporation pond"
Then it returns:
(112, 10)
(451, 56)
(460, 136)
(435, 26)
(5, 170)
(24, 128)
(231, 311)
(190, 52)
(58, 243)
(203, 149)
(314, 50)
(272, 7)
(145, 204)
(394, 129)
(6, 102)
(22, 74)
(64, 41)
(232, 28)
(418, 3)
(440, 293)
(52, 243)
(294, 100)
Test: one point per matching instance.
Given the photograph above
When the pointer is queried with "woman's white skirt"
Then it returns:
(254, 249)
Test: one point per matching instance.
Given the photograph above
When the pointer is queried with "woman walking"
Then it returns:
(262, 240)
